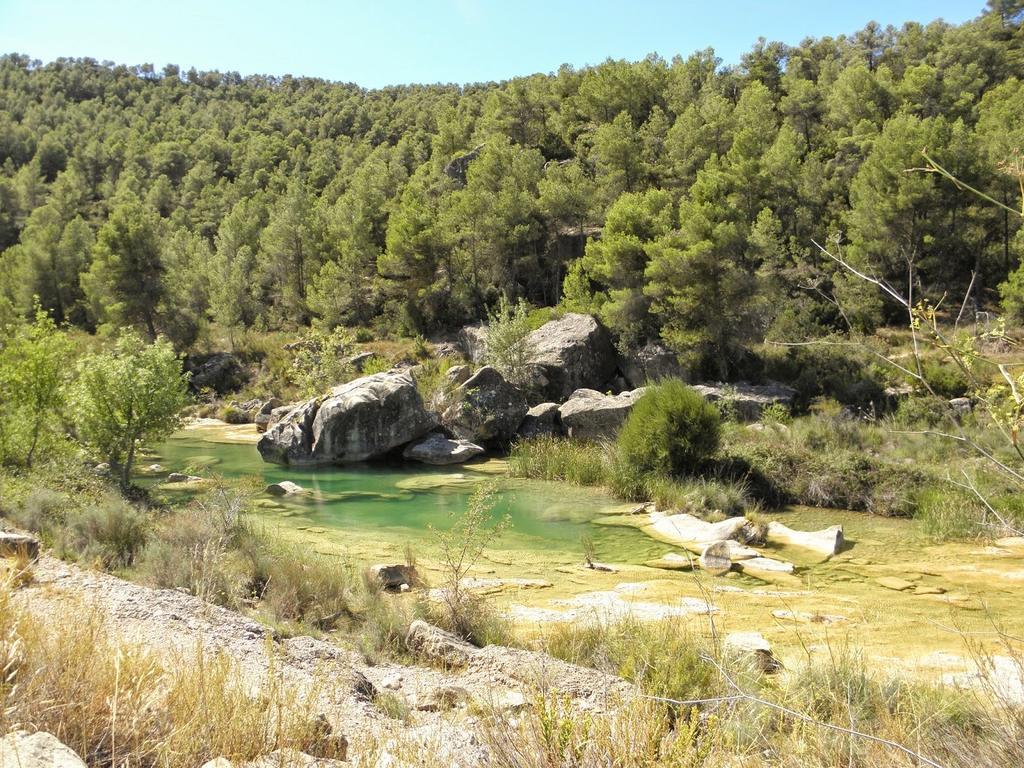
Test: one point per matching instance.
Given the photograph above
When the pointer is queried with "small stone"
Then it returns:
(754, 646)
(894, 583)
(392, 682)
(178, 477)
(807, 617)
(923, 589)
(715, 558)
(285, 488)
(393, 576)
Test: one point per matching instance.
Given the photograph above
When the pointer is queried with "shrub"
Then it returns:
(111, 531)
(507, 347)
(670, 430)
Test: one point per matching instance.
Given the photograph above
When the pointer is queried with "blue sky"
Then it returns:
(381, 42)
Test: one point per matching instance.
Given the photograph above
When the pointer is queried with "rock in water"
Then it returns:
(827, 541)
(360, 420)
(285, 488)
(438, 449)
(693, 533)
(715, 558)
(571, 353)
(591, 415)
(21, 749)
(485, 409)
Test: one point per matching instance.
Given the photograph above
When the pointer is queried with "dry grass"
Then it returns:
(121, 705)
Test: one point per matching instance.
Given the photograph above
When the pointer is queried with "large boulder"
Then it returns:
(21, 749)
(363, 419)
(748, 401)
(220, 372)
(437, 449)
(473, 341)
(485, 409)
(541, 421)
(651, 363)
(573, 352)
(592, 415)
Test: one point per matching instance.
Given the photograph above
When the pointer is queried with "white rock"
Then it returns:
(21, 749)
(285, 488)
(756, 565)
(827, 541)
(689, 531)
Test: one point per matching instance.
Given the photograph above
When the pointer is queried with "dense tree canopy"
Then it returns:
(679, 199)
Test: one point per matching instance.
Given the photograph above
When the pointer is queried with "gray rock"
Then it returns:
(541, 421)
(360, 420)
(443, 698)
(434, 644)
(21, 749)
(748, 400)
(752, 646)
(393, 576)
(591, 415)
(178, 477)
(961, 406)
(457, 375)
(265, 422)
(18, 544)
(651, 363)
(473, 340)
(457, 168)
(438, 449)
(220, 372)
(285, 488)
(358, 362)
(571, 353)
(485, 409)
(716, 559)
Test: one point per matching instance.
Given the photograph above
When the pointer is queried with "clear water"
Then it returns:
(400, 503)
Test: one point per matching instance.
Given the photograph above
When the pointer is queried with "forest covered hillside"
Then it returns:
(678, 199)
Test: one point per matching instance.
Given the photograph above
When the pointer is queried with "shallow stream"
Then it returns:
(948, 592)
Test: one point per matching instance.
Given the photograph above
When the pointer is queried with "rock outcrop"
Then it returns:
(457, 168)
(437, 449)
(485, 409)
(363, 419)
(473, 342)
(541, 421)
(650, 364)
(220, 372)
(748, 400)
(591, 415)
(573, 352)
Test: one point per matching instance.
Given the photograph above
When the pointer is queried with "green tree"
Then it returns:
(126, 396)
(34, 373)
(125, 283)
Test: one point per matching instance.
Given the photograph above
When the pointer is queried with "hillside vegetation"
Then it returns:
(678, 199)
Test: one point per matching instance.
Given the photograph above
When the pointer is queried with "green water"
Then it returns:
(400, 503)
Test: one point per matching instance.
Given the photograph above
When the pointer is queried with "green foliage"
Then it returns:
(129, 197)
(35, 362)
(127, 395)
(507, 346)
(461, 546)
(670, 430)
(321, 361)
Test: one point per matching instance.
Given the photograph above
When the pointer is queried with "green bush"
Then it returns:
(670, 430)
(112, 531)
